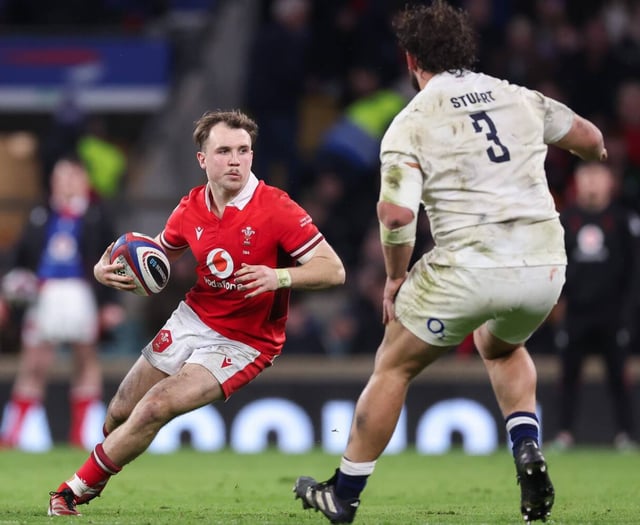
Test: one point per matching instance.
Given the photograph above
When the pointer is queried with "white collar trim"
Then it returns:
(240, 200)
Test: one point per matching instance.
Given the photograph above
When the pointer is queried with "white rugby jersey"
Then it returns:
(471, 148)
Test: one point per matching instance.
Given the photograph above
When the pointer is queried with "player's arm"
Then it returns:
(173, 254)
(397, 235)
(584, 139)
(397, 210)
(320, 268)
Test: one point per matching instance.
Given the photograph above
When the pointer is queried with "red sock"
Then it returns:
(466, 347)
(98, 468)
(17, 414)
(79, 408)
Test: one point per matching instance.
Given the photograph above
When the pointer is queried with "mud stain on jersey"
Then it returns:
(393, 177)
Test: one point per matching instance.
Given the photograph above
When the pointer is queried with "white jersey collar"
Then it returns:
(240, 200)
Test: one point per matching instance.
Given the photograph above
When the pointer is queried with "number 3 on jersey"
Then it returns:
(499, 152)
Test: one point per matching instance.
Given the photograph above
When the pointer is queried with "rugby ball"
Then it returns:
(144, 260)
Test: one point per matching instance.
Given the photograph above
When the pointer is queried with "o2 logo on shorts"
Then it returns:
(436, 327)
(220, 263)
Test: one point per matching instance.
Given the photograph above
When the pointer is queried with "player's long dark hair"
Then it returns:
(439, 36)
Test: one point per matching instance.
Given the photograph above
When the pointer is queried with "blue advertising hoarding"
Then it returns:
(110, 73)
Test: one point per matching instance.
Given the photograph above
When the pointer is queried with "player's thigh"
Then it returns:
(192, 387)
(403, 352)
(138, 381)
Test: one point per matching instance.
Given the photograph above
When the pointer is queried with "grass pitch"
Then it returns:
(593, 486)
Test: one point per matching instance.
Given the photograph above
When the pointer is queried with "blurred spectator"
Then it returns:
(628, 110)
(623, 20)
(72, 130)
(599, 303)
(105, 161)
(625, 141)
(304, 331)
(53, 272)
(324, 202)
(519, 60)
(592, 73)
(369, 277)
(278, 68)
(67, 124)
(347, 33)
(352, 145)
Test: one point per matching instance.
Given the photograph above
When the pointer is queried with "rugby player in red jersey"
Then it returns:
(253, 244)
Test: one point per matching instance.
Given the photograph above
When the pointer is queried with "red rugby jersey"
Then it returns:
(262, 225)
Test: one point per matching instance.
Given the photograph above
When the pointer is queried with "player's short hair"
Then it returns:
(234, 119)
(440, 37)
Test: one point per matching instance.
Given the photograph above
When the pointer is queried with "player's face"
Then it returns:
(226, 158)
(594, 186)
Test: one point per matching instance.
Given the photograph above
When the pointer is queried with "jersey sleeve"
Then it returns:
(400, 170)
(171, 236)
(297, 234)
(558, 119)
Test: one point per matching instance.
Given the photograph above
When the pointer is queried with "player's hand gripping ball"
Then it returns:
(144, 260)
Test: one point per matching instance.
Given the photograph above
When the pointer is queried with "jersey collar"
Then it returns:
(240, 200)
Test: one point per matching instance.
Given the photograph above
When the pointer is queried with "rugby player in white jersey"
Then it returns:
(470, 149)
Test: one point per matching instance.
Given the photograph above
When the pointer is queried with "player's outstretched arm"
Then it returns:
(585, 140)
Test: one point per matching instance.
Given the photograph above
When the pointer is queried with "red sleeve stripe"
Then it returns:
(170, 246)
(307, 246)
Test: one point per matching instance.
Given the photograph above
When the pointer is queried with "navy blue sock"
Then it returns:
(521, 426)
(349, 487)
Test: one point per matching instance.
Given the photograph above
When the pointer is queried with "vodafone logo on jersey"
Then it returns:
(220, 263)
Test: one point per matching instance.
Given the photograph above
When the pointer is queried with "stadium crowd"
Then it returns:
(329, 71)
(586, 54)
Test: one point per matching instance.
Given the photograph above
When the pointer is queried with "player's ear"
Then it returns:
(412, 63)
(201, 158)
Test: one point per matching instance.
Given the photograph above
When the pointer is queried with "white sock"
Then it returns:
(351, 468)
(78, 486)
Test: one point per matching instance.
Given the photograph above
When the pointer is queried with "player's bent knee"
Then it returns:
(154, 412)
(118, 412)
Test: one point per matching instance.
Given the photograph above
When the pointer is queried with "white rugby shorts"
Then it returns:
(65, 312)
(443, 304)
(186, 339)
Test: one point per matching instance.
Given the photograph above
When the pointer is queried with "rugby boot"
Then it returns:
(536, 490)
(322, 497)
(62, 503)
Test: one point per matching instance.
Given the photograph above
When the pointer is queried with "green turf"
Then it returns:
(593, 486)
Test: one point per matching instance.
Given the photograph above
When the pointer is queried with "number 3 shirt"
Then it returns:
(261, 226)
(471, 148)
